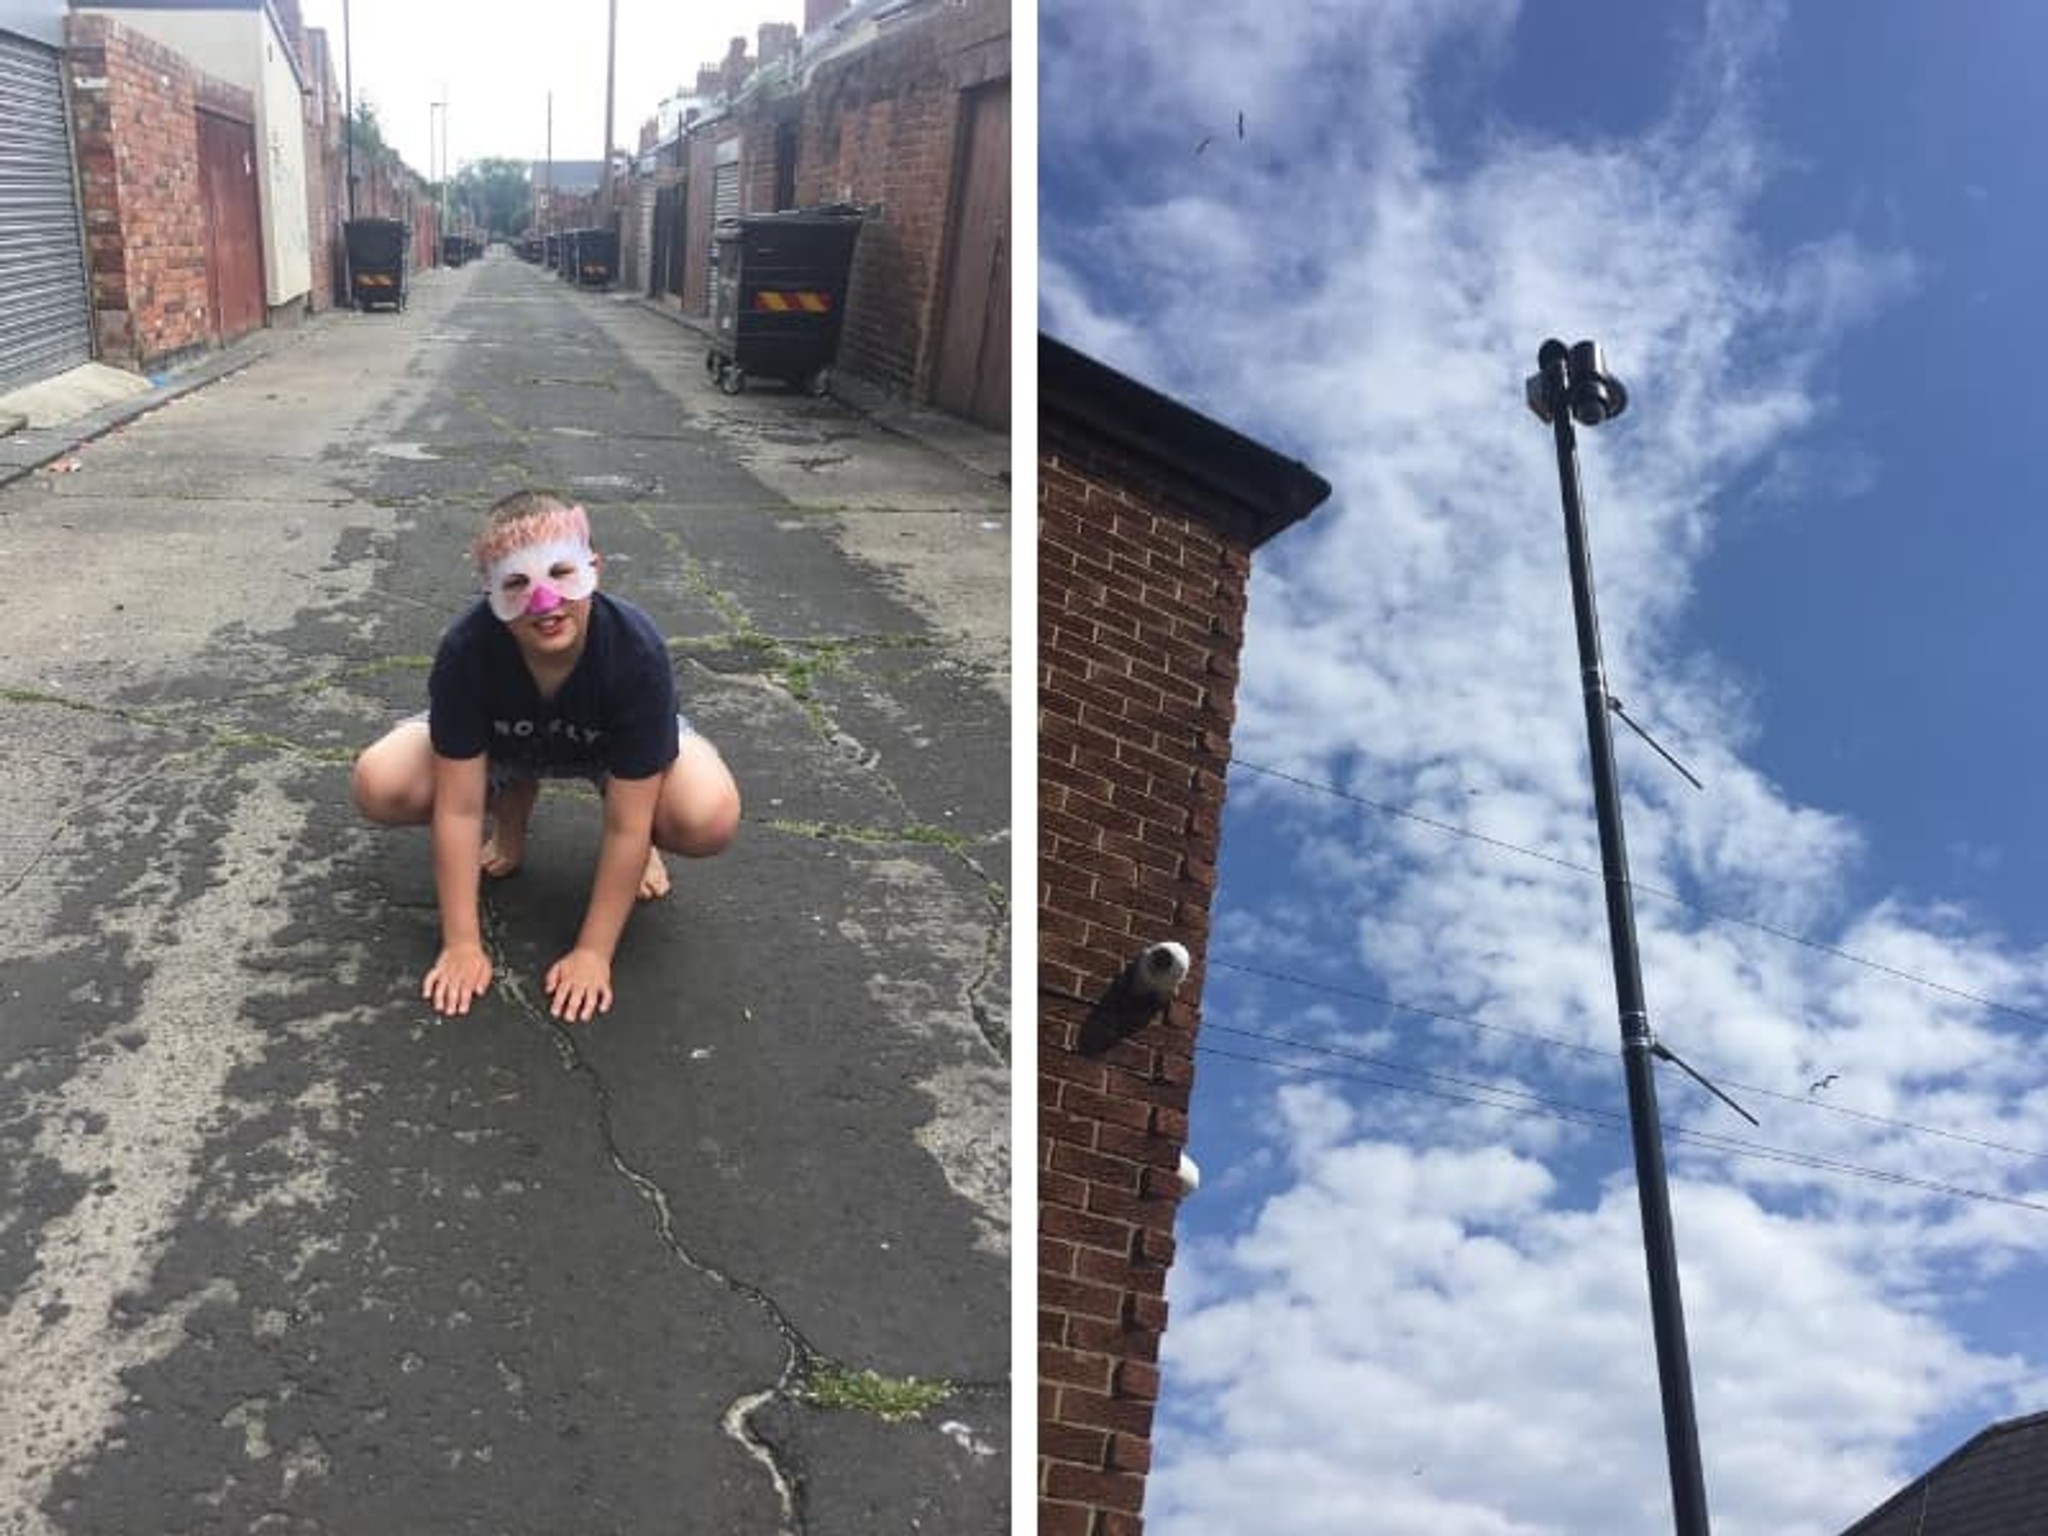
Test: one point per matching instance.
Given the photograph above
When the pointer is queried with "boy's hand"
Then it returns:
(459, 975)
(580, 985)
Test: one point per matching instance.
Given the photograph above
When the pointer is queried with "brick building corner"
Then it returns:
(136, 115)
(1148, 517)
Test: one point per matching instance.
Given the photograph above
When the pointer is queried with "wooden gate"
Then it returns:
(234, 227)
(972, 378)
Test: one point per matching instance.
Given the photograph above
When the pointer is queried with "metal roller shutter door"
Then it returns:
(44, 327)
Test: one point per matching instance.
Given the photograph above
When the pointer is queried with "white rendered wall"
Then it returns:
(281, 135)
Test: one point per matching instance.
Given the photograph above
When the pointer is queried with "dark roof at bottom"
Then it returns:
(1996, 1484)
(1278, 491)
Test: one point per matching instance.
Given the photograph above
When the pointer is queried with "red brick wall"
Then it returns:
(1141, 578)
(757, 164)
(881, 128)
(138, 151)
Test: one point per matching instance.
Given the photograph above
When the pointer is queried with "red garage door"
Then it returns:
(234, 226)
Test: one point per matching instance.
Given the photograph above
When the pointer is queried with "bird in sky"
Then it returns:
(1206, 142)
(1826, 1082)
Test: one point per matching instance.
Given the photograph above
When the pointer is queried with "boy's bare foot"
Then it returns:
(654, 880)
(511, 812)
(503, 851)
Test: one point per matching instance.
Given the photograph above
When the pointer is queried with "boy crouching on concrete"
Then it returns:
(546, 677)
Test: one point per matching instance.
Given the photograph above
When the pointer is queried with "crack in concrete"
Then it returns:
(99, 806)
(993, 1031)
(800, 1359)
(796, 676)
(921, 834)
(217, 738)
(693, 571)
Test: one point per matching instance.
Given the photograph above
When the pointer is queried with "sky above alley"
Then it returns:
(1410, 1294)
(494, 64)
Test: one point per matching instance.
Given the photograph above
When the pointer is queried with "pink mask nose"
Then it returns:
(544, 599)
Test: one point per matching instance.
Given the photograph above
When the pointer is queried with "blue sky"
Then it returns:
(1809, 239)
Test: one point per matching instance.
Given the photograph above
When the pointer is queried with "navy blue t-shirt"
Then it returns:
(615, 713)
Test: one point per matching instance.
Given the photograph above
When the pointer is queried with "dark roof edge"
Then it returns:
(1278, 491)
(1947, 1463)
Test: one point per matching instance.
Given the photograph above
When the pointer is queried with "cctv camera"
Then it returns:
(1190, 1175)
(1159, 970)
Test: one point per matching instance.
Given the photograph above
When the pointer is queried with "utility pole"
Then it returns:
(1574, 382)
(611, 60)
(348, 116)
(549, 183)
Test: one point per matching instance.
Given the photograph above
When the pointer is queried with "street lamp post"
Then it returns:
(1573, 383)
(443, 185)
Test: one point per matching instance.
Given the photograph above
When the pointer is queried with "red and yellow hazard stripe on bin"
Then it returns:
(791, 301)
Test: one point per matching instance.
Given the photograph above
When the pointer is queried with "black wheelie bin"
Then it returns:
(597, 258)
(376, 261)
(778, 296)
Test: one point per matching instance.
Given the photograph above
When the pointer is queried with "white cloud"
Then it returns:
(1440, 1337)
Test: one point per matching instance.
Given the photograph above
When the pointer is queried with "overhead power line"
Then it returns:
(1552, 1042)
(1733, 1146)
(1714, 914)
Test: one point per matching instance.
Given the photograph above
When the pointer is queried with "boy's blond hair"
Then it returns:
(527, 517)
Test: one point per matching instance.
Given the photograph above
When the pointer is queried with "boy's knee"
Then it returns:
(362, 787)
(702, 826)
(721, 823)
(381, 799)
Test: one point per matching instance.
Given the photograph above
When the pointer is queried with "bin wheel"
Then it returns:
(819, 384)
(732, 381)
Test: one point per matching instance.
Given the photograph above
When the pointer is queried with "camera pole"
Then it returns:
(1574, 383)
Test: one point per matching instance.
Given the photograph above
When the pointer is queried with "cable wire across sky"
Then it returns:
(1552, 1042)
(1714, 914)
(1613, 1121)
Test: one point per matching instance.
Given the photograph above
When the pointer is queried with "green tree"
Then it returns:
(497, 193)
(369, 133)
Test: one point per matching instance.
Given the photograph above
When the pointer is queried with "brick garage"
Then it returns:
(1148, 517)
(883, 127)
(878, 117)
(133, 105)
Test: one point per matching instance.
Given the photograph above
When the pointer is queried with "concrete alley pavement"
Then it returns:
(280, 1251)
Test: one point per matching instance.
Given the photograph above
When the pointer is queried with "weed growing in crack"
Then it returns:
(893, 1399)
